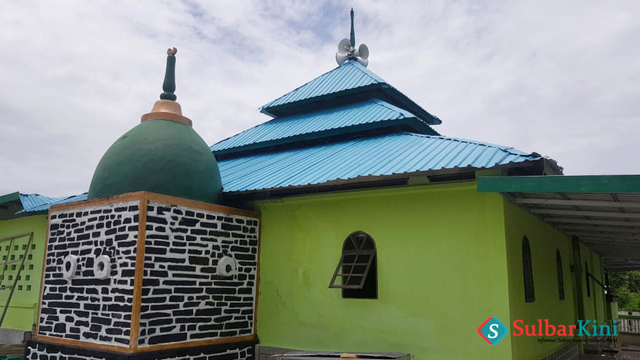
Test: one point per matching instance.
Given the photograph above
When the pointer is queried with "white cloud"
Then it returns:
(557, 78)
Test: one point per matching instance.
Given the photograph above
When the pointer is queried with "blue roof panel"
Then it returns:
(381, 155)
(366, 112)
(37, 202)
(351, 75)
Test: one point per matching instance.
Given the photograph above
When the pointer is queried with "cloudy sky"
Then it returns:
(561, 78)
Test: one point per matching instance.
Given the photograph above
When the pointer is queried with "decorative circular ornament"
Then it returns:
(69, 267)
(102, 267)
(227, 266)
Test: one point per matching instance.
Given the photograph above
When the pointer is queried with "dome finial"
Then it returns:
(169, 84)
(352, 38)
(167, 108)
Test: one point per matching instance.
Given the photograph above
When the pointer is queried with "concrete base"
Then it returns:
(14, 337)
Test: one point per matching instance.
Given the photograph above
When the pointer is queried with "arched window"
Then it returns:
(527, 271)
(586, 277)
(560, 275)
(358, 268)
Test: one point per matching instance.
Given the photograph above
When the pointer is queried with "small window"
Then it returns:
(527, 271)
(586, 276)
(560, 275)
(357, 269)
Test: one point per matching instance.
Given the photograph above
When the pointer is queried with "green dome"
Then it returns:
(160, 156)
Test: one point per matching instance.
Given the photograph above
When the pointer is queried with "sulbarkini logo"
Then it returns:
(493, 330)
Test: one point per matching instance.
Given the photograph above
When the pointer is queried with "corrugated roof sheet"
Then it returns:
(366, 112)
(37, 202)
(389, 154)
(351, 75)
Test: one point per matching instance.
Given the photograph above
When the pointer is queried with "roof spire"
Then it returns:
(347, 49)
(352, 38)
(169, 84)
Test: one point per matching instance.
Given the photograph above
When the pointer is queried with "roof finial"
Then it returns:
(347, 50)
(169, 84)
(352, 38)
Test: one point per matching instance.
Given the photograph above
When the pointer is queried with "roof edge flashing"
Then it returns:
(561, 184)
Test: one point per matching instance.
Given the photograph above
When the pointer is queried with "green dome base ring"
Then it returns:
(159, 156)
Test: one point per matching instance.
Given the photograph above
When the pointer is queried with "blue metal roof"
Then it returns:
(381, 155)
(351, 75)
(348, 78)
(348, 119)
(38, 203)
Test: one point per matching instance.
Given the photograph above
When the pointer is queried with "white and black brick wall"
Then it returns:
(199, 282)
(184, 298)
(85, 307)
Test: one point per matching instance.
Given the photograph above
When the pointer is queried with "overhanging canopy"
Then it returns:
(603, 211)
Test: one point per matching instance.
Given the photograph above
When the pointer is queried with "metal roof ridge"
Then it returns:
(368, 72)
(394, 108)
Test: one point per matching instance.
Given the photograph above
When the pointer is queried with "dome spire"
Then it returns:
(167, 108)
(169, 84)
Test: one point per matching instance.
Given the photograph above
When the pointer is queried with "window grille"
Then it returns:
(356, 263)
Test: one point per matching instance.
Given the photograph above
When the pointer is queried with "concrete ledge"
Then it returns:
(14, 337)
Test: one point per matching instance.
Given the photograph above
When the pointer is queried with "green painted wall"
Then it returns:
(442, 272)
(544, 242)
(23, 308)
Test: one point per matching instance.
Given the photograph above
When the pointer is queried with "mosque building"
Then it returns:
(346, 223)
